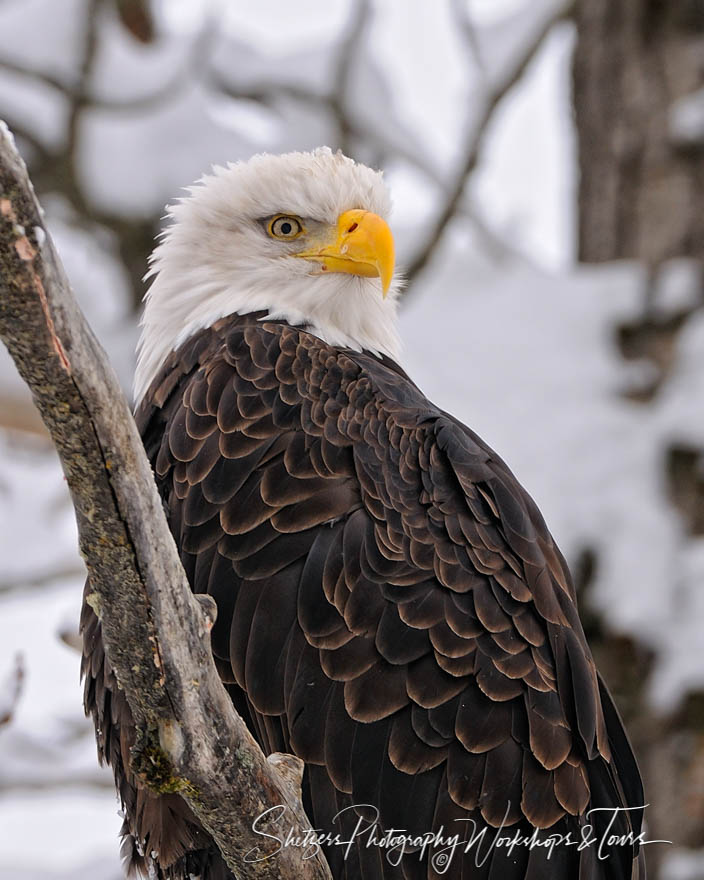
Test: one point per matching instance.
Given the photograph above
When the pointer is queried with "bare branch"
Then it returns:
(475, 142)
(266, 92)
(11, 690)
(42, 154)
(468, 31)
(85, 97)
(78, 96)
(60, 784)
(345, 56)
(495, 246)
(39, 76)
(192, 68)
(18, 414)
(41, 580)
(155, 633)
(333, 101)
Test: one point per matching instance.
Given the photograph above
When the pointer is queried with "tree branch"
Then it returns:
(453, 201)
(10, 690)
(468, 32)
(334, 100)
(156, 634)
(40, 77)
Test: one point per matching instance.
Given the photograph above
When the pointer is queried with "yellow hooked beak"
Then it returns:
(362, 244)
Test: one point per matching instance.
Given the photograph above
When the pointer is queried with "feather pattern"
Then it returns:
(391, 606)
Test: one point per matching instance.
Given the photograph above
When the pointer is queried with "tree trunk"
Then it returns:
(641, 193)
(637, 65)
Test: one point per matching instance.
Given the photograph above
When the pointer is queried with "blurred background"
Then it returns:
(547, 165)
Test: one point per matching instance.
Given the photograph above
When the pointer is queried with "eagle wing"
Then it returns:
(391, 606)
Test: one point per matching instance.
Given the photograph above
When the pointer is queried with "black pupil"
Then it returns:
(286, 228)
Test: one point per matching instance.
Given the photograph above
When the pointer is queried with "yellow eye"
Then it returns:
(285, 227)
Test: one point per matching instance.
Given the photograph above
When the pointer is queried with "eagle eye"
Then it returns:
(285, 227)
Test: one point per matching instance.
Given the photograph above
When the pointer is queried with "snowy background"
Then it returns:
(116, 110)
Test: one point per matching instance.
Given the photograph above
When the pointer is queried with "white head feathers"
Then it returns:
(216, 257)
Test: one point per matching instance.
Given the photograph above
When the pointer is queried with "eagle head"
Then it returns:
(301, 236)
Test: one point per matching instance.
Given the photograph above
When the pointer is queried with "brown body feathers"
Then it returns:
(391, 609)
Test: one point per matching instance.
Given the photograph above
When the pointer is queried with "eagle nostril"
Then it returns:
(352, 228)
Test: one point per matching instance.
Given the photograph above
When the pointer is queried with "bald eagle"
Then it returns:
(391, 606)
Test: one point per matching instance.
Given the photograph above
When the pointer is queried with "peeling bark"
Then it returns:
(156, 634)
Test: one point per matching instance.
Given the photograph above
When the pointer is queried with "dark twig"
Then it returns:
(41, 580)
(476, 140)
(84, 97)
(266, 92)
(191, 69)
(78, 95)
(42, 155)
(40, 77)
(468, 31)
(11, 691)
(334, 101)
(345, 57)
